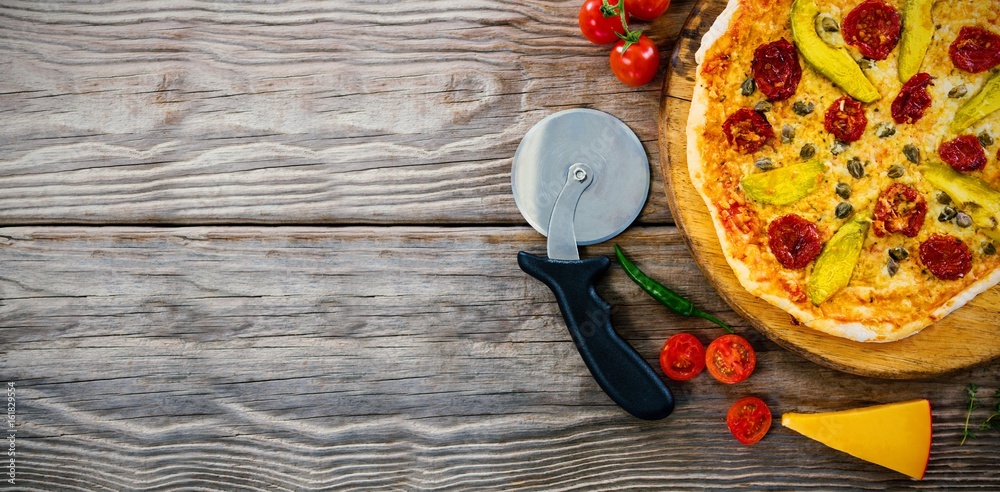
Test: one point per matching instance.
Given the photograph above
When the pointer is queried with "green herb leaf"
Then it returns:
(970, 391)
(993, 421)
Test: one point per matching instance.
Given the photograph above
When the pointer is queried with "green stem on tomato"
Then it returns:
(608, 10)
(672, 300)
(630, 37)
(621, 13)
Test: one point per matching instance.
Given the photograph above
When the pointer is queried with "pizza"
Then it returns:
(849, 155)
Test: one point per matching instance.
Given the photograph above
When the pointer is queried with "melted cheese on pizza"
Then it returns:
(875, 306)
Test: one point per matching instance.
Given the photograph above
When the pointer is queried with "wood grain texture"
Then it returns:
(294, 112)
(402, 358)
(962, 339)
(377, 357)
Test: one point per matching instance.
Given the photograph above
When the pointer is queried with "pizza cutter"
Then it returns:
(581, 177)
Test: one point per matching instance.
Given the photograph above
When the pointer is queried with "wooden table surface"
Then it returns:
(271, 246)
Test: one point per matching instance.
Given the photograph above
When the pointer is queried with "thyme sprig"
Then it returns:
(970, 391)
(993, 421)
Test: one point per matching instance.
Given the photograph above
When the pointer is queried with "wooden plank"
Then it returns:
(405, 358)
(186, 112)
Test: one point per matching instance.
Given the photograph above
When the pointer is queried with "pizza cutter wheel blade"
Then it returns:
(581, 177)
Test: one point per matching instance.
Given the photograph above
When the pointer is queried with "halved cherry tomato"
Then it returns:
(638, 64)
(682, 357)
(946, 256)
(646, 9)
(598, 28)
(873, 27)
(974, 50)
(846, 119)
(963, 153)
(747, 130)
(749, 419)
(730, 359)
(795, 241)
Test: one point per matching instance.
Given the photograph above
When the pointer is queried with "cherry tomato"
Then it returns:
(975, 49)
(749, 419)
(646, 9)
(873, 27)
(682, 357)
(947, 257)
(794, 241)
(638, 64)
(963, 153)
(730, 359)
(598, 28)
(747, 130)
(776, 69)
(912, 100)
(899, 208)
(846, 119)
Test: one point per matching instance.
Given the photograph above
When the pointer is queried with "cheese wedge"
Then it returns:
(896, 436)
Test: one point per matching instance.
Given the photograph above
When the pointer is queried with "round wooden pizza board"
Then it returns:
(967, 337)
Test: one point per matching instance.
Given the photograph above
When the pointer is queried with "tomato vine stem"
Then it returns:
(630, 37)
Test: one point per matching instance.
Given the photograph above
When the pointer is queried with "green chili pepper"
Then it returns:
(667, 297)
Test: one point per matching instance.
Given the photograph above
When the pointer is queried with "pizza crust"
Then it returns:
(861, 331)
(718, 28)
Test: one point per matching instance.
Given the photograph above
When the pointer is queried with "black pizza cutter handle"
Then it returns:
(620, 371)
